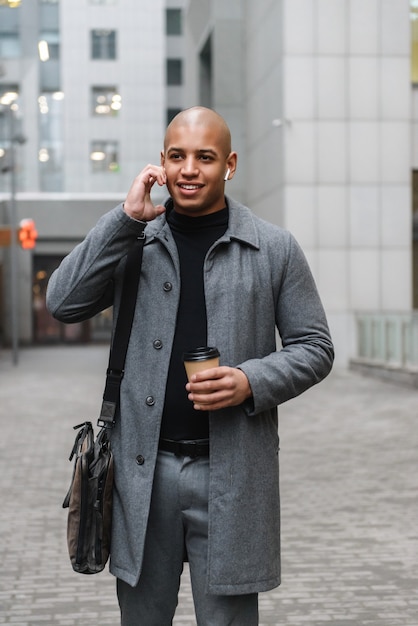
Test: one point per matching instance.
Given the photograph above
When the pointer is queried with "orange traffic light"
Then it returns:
(27, 234)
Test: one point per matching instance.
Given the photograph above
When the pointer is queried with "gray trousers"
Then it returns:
(178, 523)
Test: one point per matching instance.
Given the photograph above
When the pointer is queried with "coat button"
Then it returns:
(167, 286)
(150, 400)
(140, 459)
(158, 344)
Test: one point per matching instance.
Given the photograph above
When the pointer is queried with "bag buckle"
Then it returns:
(108, 410)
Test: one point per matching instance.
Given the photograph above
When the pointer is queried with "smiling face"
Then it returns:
(197, 154)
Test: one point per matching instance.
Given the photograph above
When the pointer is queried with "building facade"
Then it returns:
(322, 108)
(89, 86)
(318, 93)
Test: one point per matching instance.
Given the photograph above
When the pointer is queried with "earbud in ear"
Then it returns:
(228, 171)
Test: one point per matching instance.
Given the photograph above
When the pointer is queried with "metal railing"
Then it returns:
(388, 339)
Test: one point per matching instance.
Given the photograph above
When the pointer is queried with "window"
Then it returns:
(105, 101)
(9, 95)
(9, 98)
(50, 150)
(4, 146)
(205, 74)
(9, 104)
(171, 113)
(48, 45)
(49, 16)
(9, 33)
(173, 22)
(9, 46)
(174, 72)
(104, 156)
(12, 4)
(103, 44)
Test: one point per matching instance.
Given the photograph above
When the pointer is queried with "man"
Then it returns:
(213, 274)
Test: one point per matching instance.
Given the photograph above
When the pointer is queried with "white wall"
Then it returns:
(346, 151)
(264, 108)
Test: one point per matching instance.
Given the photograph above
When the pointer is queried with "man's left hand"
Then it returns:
(218, 388)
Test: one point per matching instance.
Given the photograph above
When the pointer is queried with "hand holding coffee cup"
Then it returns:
(226, 387)
(199, 359)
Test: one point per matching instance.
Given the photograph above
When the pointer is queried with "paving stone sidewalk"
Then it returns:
(349, 482)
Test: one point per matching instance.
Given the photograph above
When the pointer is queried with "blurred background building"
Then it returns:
(322, 103)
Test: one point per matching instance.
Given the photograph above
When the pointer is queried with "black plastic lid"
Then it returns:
(201, 354)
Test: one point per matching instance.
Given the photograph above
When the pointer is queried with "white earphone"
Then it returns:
(228, 171)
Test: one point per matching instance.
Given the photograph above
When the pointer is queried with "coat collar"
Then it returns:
(241, 226)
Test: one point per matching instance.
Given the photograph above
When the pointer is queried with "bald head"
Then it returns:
(204, 118)
(197, 161)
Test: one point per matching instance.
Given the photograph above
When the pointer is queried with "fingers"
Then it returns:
(217, 388)
(204, 389)
(213, 373)
(138, 203)
(152, 174)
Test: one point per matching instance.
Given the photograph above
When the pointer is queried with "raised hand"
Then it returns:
(138, 203)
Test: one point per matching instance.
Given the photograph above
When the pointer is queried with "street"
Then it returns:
(349, 490)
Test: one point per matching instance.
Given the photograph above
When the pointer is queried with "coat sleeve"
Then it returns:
(83, 284)
(306, 355)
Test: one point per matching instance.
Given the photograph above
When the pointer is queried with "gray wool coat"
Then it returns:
(256, 280)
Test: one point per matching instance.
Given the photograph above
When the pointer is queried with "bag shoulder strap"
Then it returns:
(122, 333)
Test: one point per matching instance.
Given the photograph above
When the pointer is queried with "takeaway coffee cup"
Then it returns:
(200, 359)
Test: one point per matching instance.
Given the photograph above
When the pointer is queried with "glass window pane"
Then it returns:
(171, 114)
(49, 16)
(9, 20)
(104, 156)
(103, 44)
(50, 151)
(105, 101)
(50, 44)
(10, 46)
(173, 22)
(9, 99)
(174, 72)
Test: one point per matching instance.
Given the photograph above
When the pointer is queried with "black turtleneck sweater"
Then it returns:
(193, 236)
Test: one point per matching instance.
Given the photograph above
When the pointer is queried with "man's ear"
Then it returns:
(162, 159)
(231, 164)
